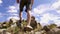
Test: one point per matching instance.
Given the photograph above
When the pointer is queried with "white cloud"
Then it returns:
(14, 17)
(46, 17)
(43, 10)
(12, 9)
(17, 6)
(39, 10)
(56, 6)
(0, 1)
(13, 14)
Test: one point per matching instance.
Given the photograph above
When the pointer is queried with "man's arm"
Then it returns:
(17, 1)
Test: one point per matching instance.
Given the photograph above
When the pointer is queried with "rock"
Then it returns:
(46, 28)
(37, 32)
(4, 31)
(33, 22)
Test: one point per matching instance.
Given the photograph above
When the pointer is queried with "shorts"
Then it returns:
(26, 3)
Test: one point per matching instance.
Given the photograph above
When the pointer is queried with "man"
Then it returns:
(28, 4)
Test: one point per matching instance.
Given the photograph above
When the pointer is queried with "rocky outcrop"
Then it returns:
(12, 28)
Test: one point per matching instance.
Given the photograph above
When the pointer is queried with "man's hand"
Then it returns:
(17, 1)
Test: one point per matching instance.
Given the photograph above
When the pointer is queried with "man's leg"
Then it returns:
(21, 9)
(20, 20)
(20, 15)
(28, 11)
(28, 17)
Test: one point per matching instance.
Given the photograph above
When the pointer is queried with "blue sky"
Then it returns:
(45, 11)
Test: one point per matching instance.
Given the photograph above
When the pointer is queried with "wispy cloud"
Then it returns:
(14, 17)
(12, 9)
(56, 6)
(44, 11)
(47, 17)
(41, 8)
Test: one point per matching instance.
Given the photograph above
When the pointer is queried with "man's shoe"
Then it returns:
(29, 26)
